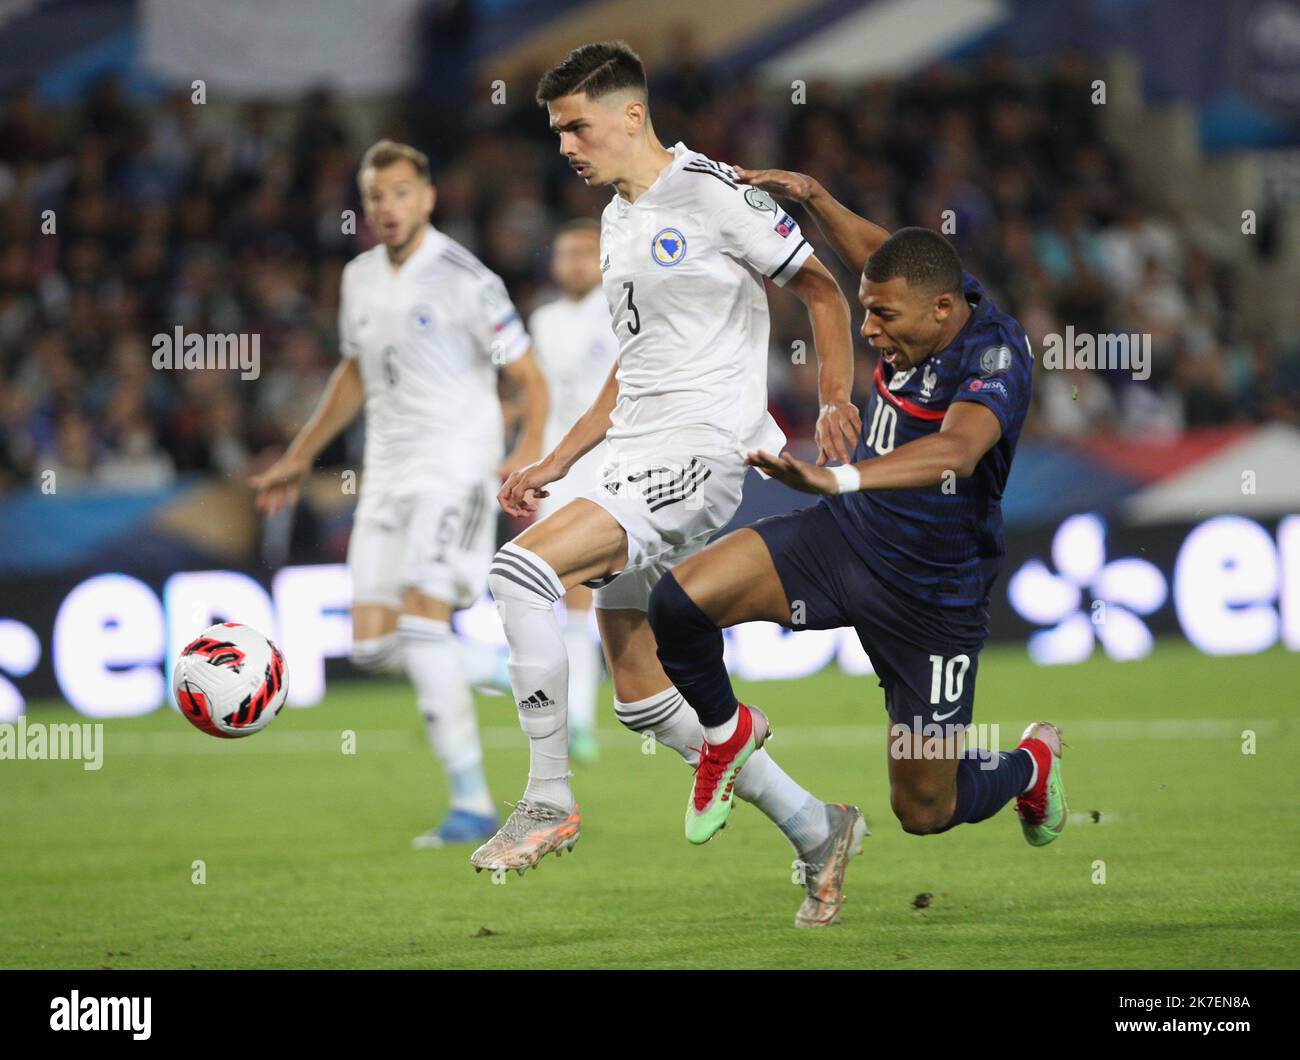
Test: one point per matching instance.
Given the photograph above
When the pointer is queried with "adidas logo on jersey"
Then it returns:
(613, 487)
(536, 701)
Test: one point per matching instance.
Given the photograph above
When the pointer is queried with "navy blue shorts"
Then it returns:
(925, 657)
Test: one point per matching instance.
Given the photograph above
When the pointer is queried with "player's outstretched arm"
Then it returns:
(525, 487)
(969, 431)
(838, 421)
(525, 375)
(854, 238)
(277, 487)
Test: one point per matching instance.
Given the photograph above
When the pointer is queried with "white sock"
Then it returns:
(584, 670)
(381, 654)
(667, 715)
(808, 827)
(791, 808)
(761, 782)
(433, 662)
(717, 734)
(526, 589)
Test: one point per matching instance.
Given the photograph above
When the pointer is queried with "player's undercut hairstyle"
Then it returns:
(578, 224)
(385, 153)
(921, 256)
(596, 70)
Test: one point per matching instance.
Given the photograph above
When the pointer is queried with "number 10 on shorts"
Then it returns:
(949, 678)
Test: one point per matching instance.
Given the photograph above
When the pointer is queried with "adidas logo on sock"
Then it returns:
(536, 701)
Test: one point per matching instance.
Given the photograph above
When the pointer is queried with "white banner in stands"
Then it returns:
(249, 48)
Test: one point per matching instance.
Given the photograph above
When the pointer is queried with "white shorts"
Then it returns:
(439, 541)
(669, 509)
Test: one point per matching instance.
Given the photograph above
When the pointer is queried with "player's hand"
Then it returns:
(277, 487)
(795, 473)
(525, 487)
(782, 183)
(838, 427)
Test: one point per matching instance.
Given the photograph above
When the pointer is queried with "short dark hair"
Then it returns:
(921, 256)
(596, 69)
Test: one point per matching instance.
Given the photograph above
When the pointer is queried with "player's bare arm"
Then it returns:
(838, 421)
(525, 376)
(969, 431)
(524, 487)
(277, 487)
(854, 238)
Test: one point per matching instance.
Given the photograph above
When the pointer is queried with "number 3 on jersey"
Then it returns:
(633, 325)
(884, 424)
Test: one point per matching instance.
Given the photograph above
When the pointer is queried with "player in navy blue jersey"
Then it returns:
(904, 547)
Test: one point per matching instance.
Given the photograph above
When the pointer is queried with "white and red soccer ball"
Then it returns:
(230, 681)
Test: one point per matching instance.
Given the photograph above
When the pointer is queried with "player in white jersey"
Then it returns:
(424, 330)
(576, 347)
(684, 252)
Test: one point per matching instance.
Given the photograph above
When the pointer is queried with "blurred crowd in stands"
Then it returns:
(158, 223)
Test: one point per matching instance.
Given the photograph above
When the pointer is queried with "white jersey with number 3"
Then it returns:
(430, 337)
(683, 277)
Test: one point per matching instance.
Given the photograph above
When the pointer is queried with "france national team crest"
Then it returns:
(668, 247)
(928, 380)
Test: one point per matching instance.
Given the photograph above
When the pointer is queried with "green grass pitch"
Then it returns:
(308, 865)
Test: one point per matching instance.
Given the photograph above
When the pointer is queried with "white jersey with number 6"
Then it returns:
(683, 278)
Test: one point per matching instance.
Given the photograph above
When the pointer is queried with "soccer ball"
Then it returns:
(230, 681)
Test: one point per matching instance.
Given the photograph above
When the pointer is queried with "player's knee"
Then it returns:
(660, 606)
(518, 575)
(920, 812)
(377, 654)
(672, 613)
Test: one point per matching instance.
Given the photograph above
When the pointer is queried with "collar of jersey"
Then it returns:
(430, 246)
(683, 155)
(978, 310)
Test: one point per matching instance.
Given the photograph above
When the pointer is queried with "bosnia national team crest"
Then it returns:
(421, 318)
(668, 247)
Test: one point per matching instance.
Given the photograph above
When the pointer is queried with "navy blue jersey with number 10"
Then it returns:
(942, 544)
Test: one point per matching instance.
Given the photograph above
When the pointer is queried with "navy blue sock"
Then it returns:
(982, 791)
(690, 649)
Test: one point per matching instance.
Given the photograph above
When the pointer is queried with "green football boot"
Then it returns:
(715, 777)
(1042, 809)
